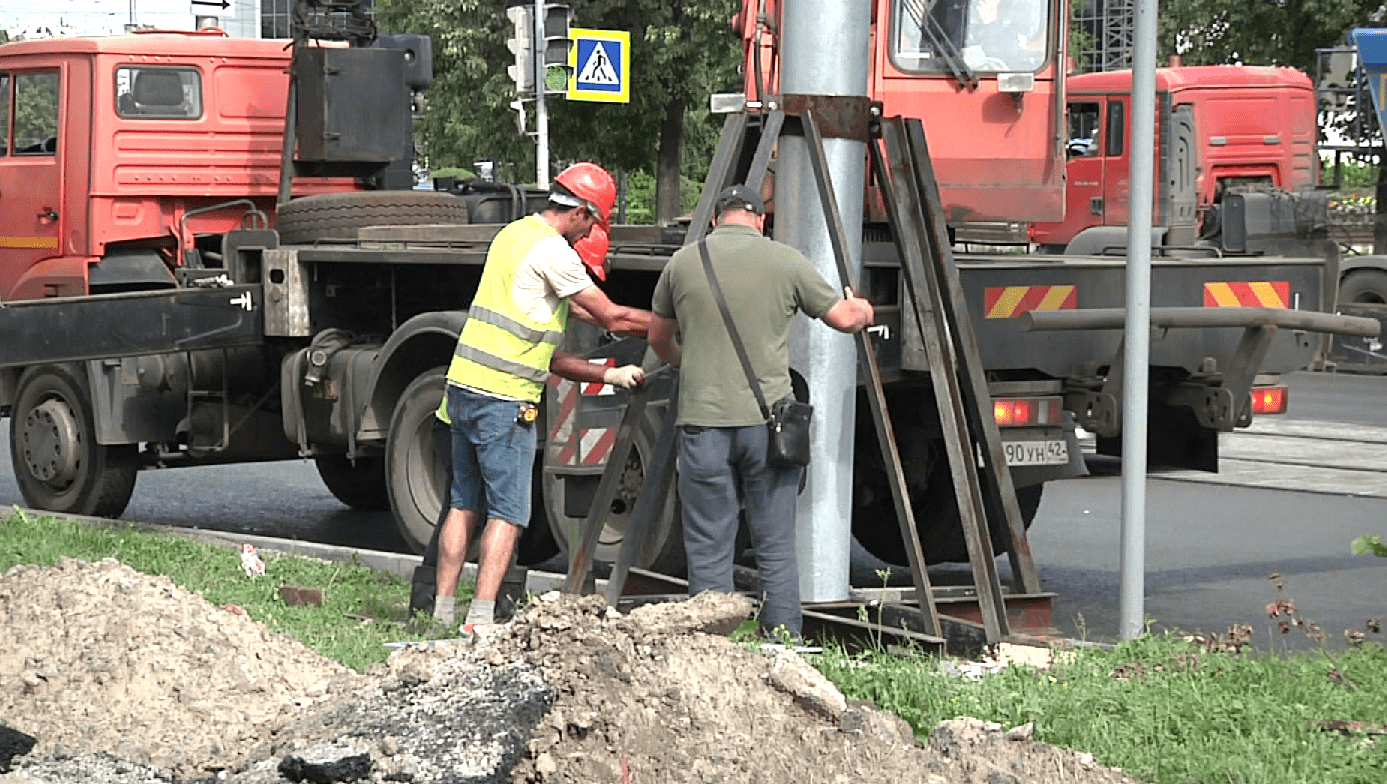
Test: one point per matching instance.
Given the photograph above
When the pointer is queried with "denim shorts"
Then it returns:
(493, 456)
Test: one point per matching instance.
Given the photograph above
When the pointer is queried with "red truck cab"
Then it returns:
(1218, 126)
(117, 152)
(983, 77)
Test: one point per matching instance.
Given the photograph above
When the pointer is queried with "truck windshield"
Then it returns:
(158, 93)
(987, 36)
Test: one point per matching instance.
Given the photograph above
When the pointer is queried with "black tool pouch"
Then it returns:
(789, 436)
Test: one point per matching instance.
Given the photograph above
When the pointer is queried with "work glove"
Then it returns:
(624, 377)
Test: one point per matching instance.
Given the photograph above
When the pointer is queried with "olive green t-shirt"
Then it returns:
(765, 283)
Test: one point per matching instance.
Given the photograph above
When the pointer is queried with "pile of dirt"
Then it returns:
(120, 677)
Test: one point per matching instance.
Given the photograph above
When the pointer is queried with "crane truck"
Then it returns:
(210, 254)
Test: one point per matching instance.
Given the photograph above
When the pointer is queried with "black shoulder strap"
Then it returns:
(732, 329)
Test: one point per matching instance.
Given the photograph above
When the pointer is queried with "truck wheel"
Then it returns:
(358, 483)
(58, 463)
(1364, 286)
(937, 517)
(418, 482)
(339, 215)
(662, 544)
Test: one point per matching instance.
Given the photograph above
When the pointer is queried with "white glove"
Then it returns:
(624, 377)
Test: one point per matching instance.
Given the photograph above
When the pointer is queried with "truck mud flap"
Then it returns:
(118, 325)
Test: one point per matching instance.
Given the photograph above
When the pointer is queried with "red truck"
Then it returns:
(186, 278)
(1218, 127)
(1221, 129)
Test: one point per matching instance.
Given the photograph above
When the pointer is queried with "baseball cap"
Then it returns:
(740, 197)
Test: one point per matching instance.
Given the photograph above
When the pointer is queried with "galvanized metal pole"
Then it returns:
(541, 112)
(825, 50)
(1137, 348)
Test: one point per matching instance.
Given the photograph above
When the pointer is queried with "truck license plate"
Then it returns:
(1036, 452)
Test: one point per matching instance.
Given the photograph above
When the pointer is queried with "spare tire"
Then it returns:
(337, 216)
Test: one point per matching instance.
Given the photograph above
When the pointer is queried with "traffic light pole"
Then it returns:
(541, 112)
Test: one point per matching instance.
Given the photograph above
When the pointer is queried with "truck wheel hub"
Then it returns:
(50, 442)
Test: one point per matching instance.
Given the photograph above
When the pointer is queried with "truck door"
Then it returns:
(30, 193)
(1083, 206)
(1116, 171)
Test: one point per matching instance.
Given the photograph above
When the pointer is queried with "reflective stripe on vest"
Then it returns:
(488, 316)
(500, 363)
(502, 351)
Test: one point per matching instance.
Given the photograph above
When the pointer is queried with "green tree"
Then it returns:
(1259, 32)
(680, 53)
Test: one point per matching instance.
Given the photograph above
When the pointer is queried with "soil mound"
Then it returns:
(111, 675)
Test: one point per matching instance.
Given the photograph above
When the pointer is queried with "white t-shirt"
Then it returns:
(550, 272)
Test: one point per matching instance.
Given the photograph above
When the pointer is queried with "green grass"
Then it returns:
(1160, 708)
(1182, 715)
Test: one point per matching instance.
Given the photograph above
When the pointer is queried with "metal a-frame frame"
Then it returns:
(910, 193)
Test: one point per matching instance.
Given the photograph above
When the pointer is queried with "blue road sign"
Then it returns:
(601, 64)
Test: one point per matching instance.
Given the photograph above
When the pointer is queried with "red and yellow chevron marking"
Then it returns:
(1012, 301)
(1247, 294)
(29, 242)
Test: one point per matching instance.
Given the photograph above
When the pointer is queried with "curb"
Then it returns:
(399, 564)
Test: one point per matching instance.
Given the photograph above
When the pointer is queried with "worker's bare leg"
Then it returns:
(452, 551)
(497, 547)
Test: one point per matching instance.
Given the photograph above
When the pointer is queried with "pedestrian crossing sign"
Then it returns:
(601, 66)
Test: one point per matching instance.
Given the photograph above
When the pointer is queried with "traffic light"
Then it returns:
(557, 19)
(521, 45)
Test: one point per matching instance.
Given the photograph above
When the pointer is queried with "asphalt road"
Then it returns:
(1293, 494)
(282, 499)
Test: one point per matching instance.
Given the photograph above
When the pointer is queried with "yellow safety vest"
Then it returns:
(502, 350)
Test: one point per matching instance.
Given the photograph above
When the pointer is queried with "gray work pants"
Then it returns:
(714, 463)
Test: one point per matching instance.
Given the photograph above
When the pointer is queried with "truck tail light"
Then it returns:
(1269, 400)
(1024, 411)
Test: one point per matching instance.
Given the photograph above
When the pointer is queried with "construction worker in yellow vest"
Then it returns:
(533, 278)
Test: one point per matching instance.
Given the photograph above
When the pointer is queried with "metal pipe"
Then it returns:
(1116, 318)
(825, 50)
(1136, 373)
(541, 111)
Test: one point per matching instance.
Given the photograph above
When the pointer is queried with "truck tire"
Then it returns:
(358, 483)
(58, 464)
(937, 518)
(1366, 286)
(662, 544)
(417, 482)
(339, 215)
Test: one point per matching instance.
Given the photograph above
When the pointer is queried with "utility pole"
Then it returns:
(541, 111)
(825, 52)
(1137, 327)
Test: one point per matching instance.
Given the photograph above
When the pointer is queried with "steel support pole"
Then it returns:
(541, 112)
(824, 51)
(1137, 334)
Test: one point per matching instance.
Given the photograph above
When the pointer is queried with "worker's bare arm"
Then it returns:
(850, 314)
(575, 368)
(617, 319)
(662, 339)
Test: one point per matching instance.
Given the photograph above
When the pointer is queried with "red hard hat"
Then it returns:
(592, 184)
(592, 249)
